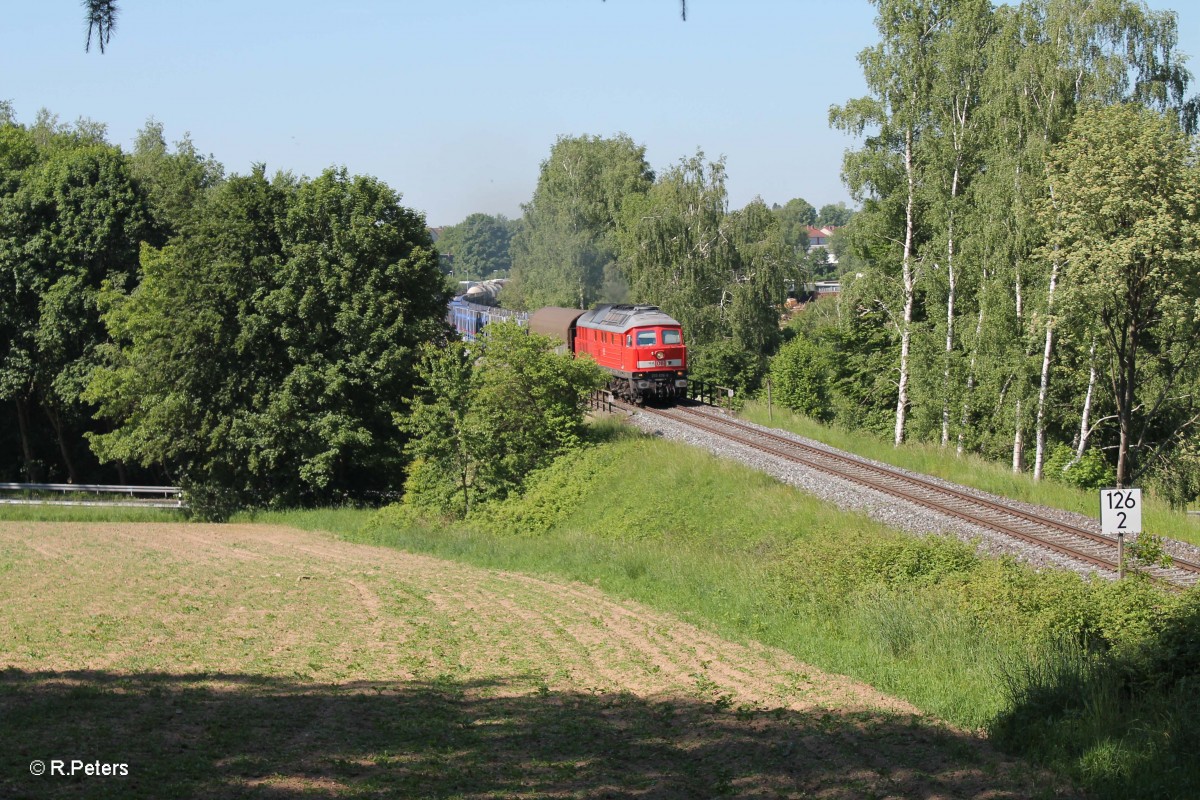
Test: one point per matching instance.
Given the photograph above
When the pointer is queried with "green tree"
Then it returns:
(794, 218)
(71, 222)
(799, 377)
(441, 428)
(193, 358)
(490, 413)
(565, 252)
(900, 71)
(723, 275)
(173, 181)
(833, 215)
(680, 252)
(949, 176)
(262, 356)
(530, 403)
(478, 246)
(18, 152)
(1125, 223)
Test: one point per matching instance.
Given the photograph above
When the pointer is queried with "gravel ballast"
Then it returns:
(885, 508)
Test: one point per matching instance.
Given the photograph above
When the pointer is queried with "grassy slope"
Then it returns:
(734, 549)
(922, 619)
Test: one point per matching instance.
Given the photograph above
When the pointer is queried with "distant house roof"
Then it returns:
(819, 237)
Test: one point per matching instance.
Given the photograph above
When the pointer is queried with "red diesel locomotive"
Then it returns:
(641, 347)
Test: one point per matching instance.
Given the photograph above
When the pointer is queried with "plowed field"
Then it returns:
(233, 661)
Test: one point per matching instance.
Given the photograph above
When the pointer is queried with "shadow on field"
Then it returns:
(221, 735)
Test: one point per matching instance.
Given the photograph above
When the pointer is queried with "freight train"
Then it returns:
(469, 319)
(640, 346)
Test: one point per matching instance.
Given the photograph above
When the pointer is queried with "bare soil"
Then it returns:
(246, 660)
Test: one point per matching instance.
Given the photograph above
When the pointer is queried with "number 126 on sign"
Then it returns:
(1121, 510)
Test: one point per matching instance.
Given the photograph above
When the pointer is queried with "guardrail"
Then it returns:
(138, 496)
(601, 400)
(711, 394)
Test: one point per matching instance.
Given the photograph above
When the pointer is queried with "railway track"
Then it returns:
(1078, 543)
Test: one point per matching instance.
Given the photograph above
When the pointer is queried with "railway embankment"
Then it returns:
(1076, 672)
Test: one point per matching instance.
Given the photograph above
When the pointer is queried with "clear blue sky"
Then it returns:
(454, 103)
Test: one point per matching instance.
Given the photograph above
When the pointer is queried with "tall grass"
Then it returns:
(343, 519)
(1094, 716)
(24, 513)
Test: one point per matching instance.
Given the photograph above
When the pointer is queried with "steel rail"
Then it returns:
(877, 477)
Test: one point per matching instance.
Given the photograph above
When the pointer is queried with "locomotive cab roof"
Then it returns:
(619, 318)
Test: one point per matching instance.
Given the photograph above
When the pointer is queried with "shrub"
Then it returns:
(799, 378)
(1091, 471)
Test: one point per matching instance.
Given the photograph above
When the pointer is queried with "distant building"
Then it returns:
(815, 291)
(819, 237)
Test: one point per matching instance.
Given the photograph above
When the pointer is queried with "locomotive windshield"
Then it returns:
(646, 338)
(671, 336)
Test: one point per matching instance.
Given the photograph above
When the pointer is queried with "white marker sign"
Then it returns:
(1121, 510)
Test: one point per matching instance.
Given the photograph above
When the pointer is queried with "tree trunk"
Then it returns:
(27, 445)
(1127, 367)
(1044, 385)
(1039, 451)
(32, 474)
(1018, 459)
(68, 462)
(1123, 454)
(1085, 417)
(906, 323)
(1018, 456)
(966, 409)
(950, 297)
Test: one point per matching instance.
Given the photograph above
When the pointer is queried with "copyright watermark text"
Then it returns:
(76, 766)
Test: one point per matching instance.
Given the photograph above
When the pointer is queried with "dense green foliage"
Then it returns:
(173, 181)
(261, 356)
(1000, 201)
(722, 274)
(1123, 220)
(478, 247)
(248, 338)
(565, 251)
(834, 215)
(491, 412)
(71, 218)
(799, 377)
(795, 216)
